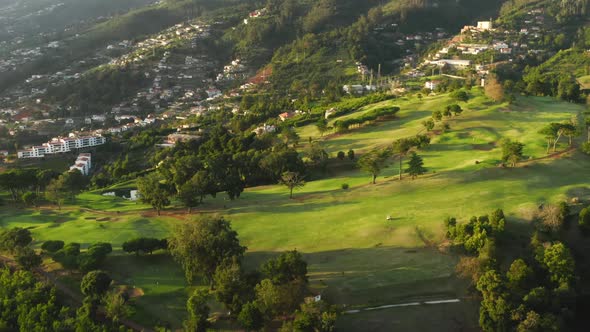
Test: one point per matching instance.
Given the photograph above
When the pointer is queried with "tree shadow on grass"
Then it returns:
(378, 275)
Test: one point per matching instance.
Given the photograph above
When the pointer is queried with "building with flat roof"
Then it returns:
(83, 163)
(61, 145)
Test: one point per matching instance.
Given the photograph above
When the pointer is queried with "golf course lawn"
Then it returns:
(356, 256)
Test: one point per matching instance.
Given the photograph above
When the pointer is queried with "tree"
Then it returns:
(198, 312)
(447, 112)
(415, 166)
(350, 154)
(318, 157)
(401, 147)
(144, 244)
(29, 198)
(373, 162)
(55, 192)
(73, 182)
(289, 136)
(95, 283)
(44, 177)
(192, 192)
(518, 275)
(201, 246)
(12, 240)
(568, 88)
(153, 192)
(52, 246)
(559, 263)
(437, 116)
(315, 316)
(454, 109)
(569, 130)
(537, 323)
(460, 95)
(493, 89)
(470, 268)
(251, 318)
(275, 299)
(231, 286)
(552, 217)
(552, 133)
(28, 259)
(512, 151)
(428, 124)
(292, 180)
(495, 309)
(287, 267)
(93, 257)
(322, 125)
(116, 307)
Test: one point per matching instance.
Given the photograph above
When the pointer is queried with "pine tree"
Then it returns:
(415, 166)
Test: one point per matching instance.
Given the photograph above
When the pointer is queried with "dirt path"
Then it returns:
(72, 295)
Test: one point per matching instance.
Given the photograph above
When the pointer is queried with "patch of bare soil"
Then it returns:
(135, 292)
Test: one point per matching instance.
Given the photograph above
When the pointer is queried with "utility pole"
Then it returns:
(379, 75)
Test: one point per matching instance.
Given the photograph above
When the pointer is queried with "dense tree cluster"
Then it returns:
(512, 151)
(16, 242)
(478, 234)
(29, 305)
(70, 255)
(535, 293)
(553, 132)
(221, 161)
(209, 248)
(145, 245)
(370, 116)
(22, 181)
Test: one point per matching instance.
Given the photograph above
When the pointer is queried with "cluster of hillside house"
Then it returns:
(83, 163)
(61, 145)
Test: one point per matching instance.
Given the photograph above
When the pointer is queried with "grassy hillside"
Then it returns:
(356, 256)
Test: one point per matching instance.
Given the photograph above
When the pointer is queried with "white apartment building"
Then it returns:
(83, 163)
(61, 145)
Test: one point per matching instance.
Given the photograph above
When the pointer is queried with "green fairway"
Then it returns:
(357, 257)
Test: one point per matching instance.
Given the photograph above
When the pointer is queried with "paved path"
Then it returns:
(409, 304)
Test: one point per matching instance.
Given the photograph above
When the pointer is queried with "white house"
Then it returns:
(353, 89)
(264, 129)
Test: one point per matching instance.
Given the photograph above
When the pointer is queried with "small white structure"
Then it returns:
(431, 85)
(485, 25)
(452, 63)
(354, 89)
